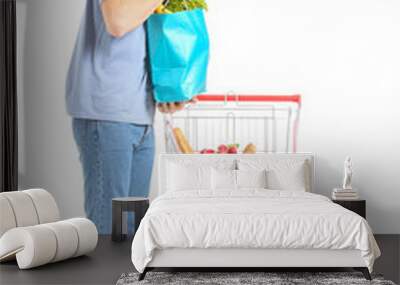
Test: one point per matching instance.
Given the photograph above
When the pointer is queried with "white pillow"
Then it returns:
(281, 174)
(251, 179)
(186, 176)
(224, 179)
(291, 178)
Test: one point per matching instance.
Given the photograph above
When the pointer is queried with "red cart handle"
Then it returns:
(296, 98)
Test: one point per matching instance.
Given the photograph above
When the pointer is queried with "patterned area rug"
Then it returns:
(269, 278)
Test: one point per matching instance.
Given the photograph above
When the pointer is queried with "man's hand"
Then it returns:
(123, 16)
(170, 108)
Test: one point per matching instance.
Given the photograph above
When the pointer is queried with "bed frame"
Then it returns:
(256, 259)
(236, 259)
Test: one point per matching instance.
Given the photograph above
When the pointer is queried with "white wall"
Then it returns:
(48, 158)
(341, 55)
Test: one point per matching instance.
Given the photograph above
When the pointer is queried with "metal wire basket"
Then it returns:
(270, 122)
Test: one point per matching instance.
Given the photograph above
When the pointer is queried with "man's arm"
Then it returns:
(123, 16)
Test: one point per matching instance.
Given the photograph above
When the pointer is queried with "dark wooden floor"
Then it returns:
(110, 260)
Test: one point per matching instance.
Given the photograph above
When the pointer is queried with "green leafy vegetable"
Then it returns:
(185, 5)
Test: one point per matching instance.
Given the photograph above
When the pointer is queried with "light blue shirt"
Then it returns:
(107, 78)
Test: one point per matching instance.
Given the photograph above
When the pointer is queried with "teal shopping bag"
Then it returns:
(178, 50)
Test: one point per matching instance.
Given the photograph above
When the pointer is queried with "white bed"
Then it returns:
(217, 224)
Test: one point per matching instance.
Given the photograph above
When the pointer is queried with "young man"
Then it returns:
(109, 97)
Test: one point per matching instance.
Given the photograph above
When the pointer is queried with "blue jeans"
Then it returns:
(117, 161)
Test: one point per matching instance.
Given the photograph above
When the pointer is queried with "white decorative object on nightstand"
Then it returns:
(346, 192)
(348, 173)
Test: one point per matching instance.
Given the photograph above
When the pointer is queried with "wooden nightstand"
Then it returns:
(357, 206)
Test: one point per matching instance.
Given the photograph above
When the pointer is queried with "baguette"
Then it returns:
(183, 144)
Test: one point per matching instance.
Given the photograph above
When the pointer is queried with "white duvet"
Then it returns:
(250, 219)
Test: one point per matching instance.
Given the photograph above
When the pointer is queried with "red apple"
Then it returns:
(232, 150)
(207, 151)
(222, 149)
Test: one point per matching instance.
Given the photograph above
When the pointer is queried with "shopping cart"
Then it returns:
(270, 122)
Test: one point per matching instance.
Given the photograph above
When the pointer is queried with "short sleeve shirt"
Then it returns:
(107, 77)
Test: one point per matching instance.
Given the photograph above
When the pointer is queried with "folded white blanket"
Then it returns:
(250, 219)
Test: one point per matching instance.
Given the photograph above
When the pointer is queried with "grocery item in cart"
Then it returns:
(231, 149)
(250, 149)
(207, 151)
(183, 143)
(178, 49)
